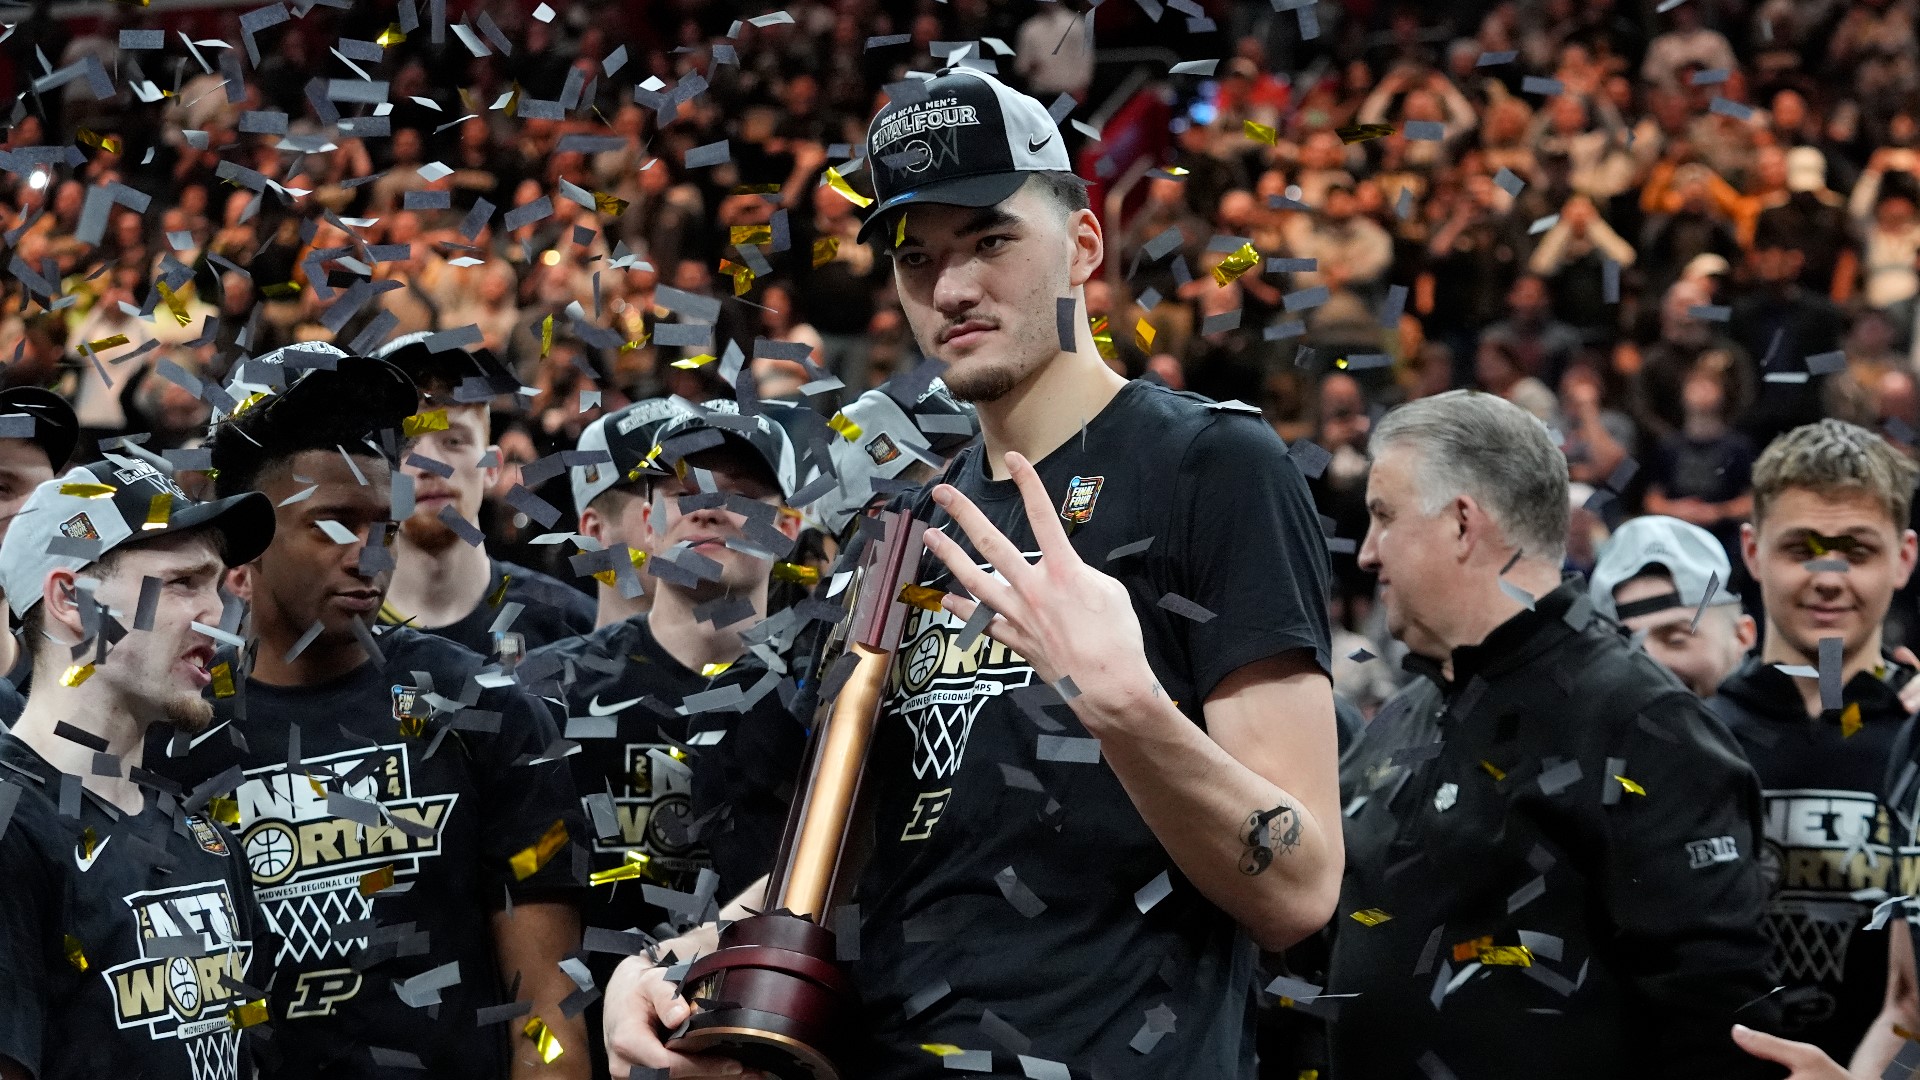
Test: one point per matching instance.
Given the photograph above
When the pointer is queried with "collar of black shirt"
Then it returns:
(1768, 692)
(1566, 610)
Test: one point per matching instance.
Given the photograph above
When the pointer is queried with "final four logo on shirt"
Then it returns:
(1082, 492)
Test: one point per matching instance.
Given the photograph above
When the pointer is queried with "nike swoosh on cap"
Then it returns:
(1033, 147)
(594, 708)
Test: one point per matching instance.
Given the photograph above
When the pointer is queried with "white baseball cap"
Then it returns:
(1688, 553)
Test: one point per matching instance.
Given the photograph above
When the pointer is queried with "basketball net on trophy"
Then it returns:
(772, 996)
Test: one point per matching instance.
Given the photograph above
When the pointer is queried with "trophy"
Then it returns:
(772, 996)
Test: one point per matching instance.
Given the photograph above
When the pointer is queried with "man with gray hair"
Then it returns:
(1550, 843)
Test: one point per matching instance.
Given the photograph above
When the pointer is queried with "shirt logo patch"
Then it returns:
(1718, 849)
(79, 527)
(881, 449)
(1082, 491)
(206, 835)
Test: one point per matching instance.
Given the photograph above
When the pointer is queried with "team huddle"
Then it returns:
(301, 781)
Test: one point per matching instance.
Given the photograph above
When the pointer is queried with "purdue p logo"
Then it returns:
(926, 814)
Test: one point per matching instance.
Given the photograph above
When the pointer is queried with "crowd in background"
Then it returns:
(1671, 235)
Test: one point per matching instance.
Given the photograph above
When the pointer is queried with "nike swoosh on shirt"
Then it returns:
(207, 734)
(87, 864)
(594, 708)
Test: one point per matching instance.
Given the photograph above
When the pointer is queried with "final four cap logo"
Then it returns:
(970, 141)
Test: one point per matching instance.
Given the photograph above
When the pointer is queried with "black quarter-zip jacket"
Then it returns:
(1566, 794)
(1825, 858)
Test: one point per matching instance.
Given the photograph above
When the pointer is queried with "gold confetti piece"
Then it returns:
(513, 99)
(796, 574)
(1143, 335)
(628, 346)
(743, 276)
(248, 402)
(314, 783)
(225, 809)
(413, 727)
(527, 861)
(608, 204)
(1102, 338)
(1261, 133)
(1176, 170)
(420, 423)
(248, 1013)
(104, 142)
(676, 753)
(88, 491)
(87, 842)
(499, 595)
(708, 671)
(547, 1046)
(839, 184)
(634, 555)
(107, 342)
(159, 510)
(755, 189)
(844, 424)
(635, 866)
(743, 235)
(1506, 956)
(173, 304)
(76, 675)
(691, 362)
(1356, 133)
(900, 231)
(391, 36)
(1308, 1074)
(1239, 262)
(944, 1050)
(824, 249)
(75, 954)
(1850, 722)
(281, 290)
(922, 597)
(373, 881)
(222, 674)
(546, 336)
(1632, 788)
(1372, 916)
(1493, 770)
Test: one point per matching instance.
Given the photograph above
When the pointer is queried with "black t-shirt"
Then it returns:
(142, 1005)
(1821, 779)
(1003, 877)
(700, 769)
(468, 797)
(550, 610)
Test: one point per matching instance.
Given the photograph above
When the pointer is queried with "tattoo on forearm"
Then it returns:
(1266, 830)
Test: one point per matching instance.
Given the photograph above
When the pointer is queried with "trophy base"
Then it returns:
(771, 997)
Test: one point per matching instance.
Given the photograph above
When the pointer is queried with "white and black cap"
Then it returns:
(971, 141)
(71, 521)
(1687, 553)
(628, 436)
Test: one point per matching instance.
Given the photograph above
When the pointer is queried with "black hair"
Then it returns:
(1064, 189)
(255, 443)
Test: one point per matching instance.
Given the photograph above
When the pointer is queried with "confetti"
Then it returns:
(844, 424)
(88, 491)
(634, 867)
(1143, 335)
(1241, 260)
(75, 954)
(373, 881)
(527, 861)
(248, 1014)
(796, 574)
(1261, 133)
(824, 250)
(420, 423)
(545, 1044)
(159, 511)
(1630, 787)
(76, 674)
(839, 184)
(922, 597)
(1850, 722)
(1370, 917)
(222, 674)
(1359, 133)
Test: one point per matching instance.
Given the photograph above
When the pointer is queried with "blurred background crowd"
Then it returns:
(1672, 234)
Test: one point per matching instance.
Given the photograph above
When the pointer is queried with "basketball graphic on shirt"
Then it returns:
(184, 987)
(270, 852)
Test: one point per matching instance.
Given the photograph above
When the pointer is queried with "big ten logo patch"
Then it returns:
(187, 939)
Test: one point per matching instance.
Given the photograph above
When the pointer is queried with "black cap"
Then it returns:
(971, 141)
(767, 439)
(475, 374)
(359, 393)
(55, 429)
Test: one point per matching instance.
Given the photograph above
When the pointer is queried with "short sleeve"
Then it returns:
(522, 799)
(27, 932)
(1249, 549)
(1684, 890)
